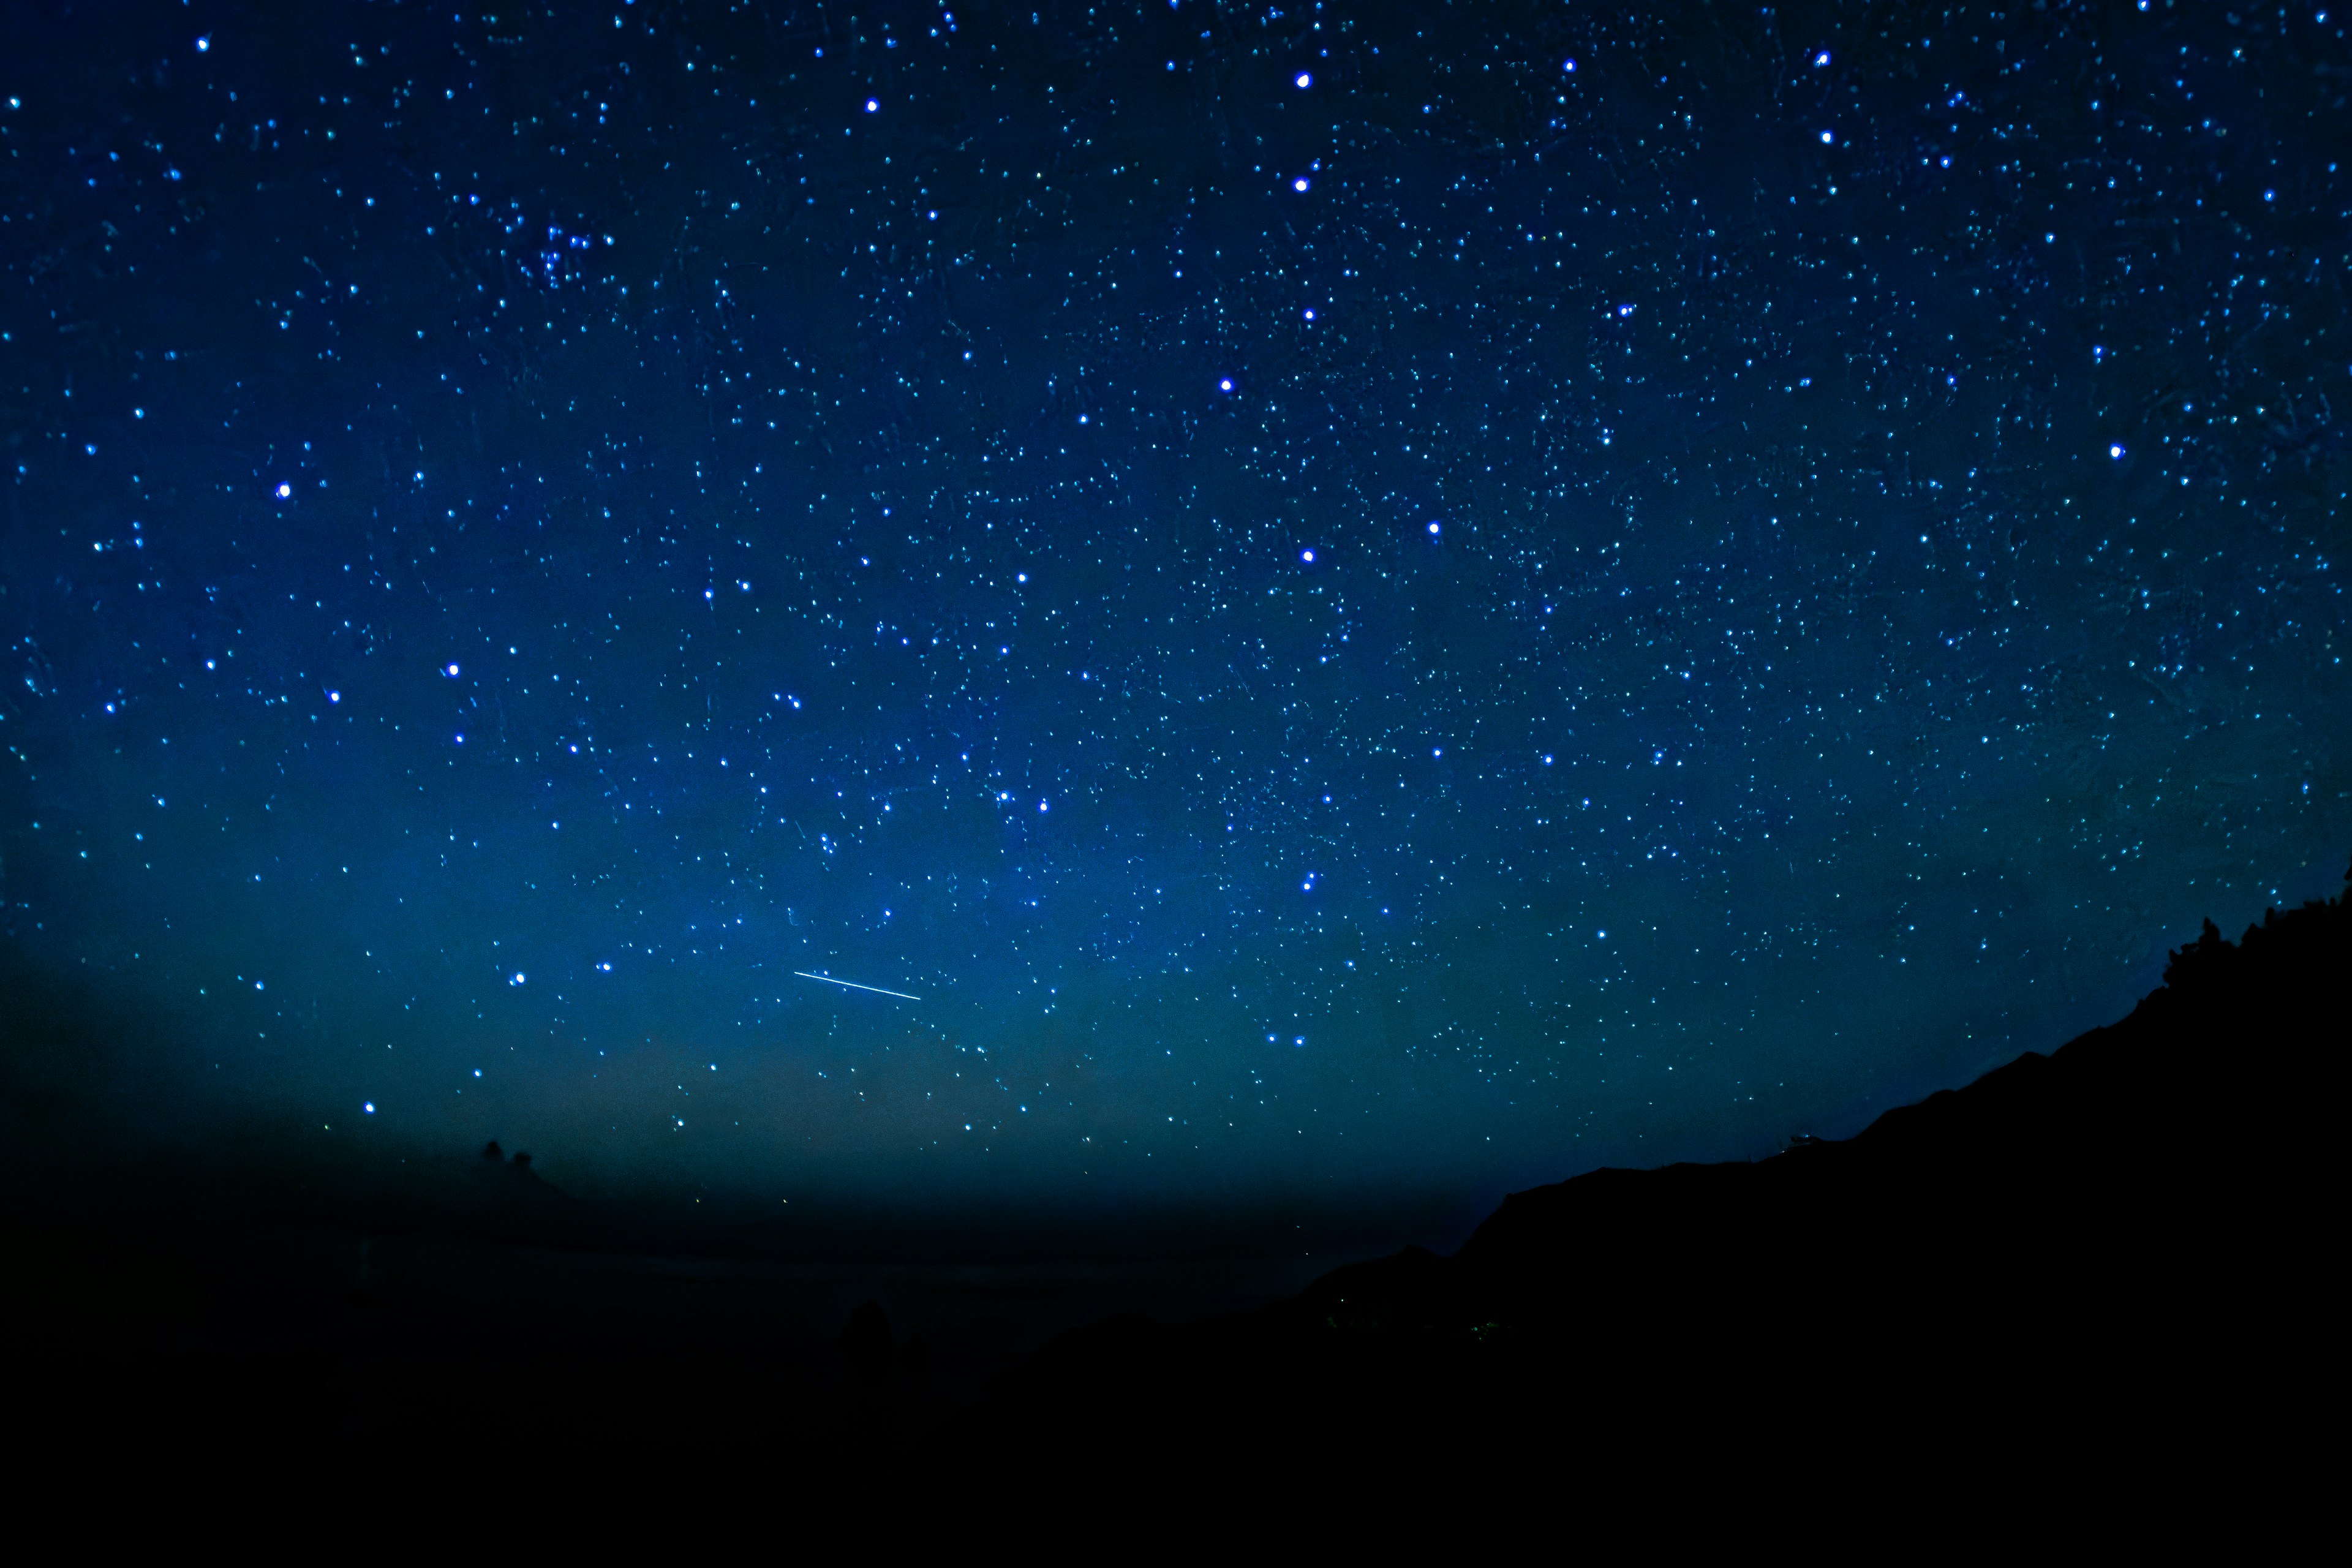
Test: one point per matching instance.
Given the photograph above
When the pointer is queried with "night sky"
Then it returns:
(1329, 602)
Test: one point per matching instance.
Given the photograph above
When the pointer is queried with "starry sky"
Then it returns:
(1322, 600)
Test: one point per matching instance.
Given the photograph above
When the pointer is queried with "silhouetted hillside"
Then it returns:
(2119, 1231)
(2123, 1237)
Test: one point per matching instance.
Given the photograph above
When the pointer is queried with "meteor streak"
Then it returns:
(853, 984)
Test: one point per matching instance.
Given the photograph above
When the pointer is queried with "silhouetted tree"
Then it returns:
(491, 1151)
(2197, 958)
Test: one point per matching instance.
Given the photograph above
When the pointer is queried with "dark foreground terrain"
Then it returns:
(2119, 1248)
(2123, 1245)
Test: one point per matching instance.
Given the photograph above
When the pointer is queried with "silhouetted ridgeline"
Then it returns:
(2113, 1241)
(2108, 1237)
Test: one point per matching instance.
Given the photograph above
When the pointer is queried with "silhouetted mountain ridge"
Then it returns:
(2051, 1231)
(2074, 1248)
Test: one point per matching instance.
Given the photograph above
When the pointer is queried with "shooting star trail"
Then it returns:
(853, 984)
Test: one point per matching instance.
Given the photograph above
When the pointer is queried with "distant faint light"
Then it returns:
(1828, 137)
(284, 491)
(2115, 451)
(451, 671)
(1432, 528)
(477, 1072)
(461, 739)
(1302, 81)
(1299, 183)
(871, 106)
(1308, 556)
(203, 45)
(1569, 67)
(1601, 935)
(1226, 384)
(257, 985)
(1299, 1040)
(1820, 60)
(604, 968)
(334, 697)
(1546, 759)
(1310, 313)
(1045, 806)
(368, 1106)
(517, 978)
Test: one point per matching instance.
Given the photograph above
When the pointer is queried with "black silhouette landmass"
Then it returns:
(2100, 1241)
(2124, 1242)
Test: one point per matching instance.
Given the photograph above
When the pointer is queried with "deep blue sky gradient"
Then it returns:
(1358, 600)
